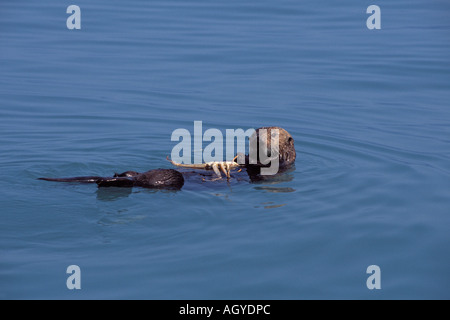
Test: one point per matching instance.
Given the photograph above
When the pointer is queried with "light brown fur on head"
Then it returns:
(286, 147)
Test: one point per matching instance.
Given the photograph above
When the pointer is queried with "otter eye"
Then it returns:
(290, 139)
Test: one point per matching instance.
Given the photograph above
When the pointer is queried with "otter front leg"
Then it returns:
(126, 174)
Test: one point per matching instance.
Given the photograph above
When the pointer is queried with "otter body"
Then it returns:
(155, 179)
(172, 179)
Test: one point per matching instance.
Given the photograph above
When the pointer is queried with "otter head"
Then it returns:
(264, 154)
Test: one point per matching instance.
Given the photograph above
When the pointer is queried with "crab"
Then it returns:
(225, 166)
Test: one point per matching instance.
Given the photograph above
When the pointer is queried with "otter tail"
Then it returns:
(100, 181)
(90, 179)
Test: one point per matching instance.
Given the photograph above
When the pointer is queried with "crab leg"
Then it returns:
(228, 170)
(215, 167)
(192, 166)
(223, 168)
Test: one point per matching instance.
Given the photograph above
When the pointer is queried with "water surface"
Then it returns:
(369, 112)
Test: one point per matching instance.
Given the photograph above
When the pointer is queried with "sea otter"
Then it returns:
(173, 179)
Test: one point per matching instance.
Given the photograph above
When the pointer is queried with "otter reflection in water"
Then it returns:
(171, 179)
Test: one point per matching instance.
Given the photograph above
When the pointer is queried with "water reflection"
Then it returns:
(116, 217)
(285, 175)
(113, 194)
(270, 205)
(276, 189)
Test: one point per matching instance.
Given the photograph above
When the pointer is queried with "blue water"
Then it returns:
(369, 111)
